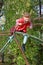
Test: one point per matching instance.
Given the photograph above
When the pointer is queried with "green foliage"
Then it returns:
(13, 10)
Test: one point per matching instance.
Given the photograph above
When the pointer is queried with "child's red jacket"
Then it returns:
(21, 25)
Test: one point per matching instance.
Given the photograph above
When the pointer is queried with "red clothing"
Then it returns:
(21, 25)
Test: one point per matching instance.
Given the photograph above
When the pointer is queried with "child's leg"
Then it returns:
(12, 30)
(24, 42)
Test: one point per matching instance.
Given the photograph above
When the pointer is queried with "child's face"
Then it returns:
(26, 19)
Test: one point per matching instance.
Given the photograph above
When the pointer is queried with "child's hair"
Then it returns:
(26, 14)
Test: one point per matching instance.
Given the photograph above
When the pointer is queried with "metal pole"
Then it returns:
(40, 7)
(8, 42)
(2, 57)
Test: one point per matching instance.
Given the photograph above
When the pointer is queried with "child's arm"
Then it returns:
(30, 25)
(19, 22)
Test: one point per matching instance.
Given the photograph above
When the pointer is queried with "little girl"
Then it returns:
(21, 26)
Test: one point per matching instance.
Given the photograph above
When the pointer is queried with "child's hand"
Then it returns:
(31, 26)
(20, 23)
